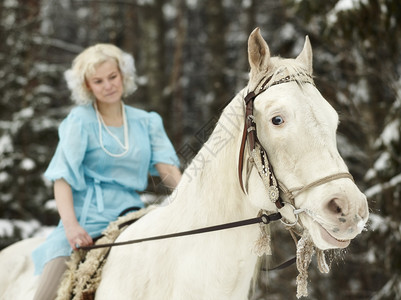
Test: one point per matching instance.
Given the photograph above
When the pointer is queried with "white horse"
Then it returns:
(297, 128)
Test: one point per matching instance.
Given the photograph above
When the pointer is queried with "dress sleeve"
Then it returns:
(161, 147)
(67, 160)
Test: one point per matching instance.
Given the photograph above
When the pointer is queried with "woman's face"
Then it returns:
(106, 82)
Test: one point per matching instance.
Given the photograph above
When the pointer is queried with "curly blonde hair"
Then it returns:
(85, 64)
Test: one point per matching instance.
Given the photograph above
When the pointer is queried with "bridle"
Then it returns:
(258, 156)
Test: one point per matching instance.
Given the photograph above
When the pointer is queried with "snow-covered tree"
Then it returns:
(191, 58)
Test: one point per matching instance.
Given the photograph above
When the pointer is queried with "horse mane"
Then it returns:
(223, 143)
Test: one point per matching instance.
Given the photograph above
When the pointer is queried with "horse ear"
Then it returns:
(305, 57)
(258, 52)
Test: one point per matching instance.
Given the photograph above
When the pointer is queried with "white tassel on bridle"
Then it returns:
(262, 245)
(305, 251)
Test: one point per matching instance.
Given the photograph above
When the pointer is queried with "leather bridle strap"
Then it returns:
(249, 127)
(264, 218)
(292, 193)
(247, 130)
(282, 265)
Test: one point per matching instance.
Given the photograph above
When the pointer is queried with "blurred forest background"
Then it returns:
(191, 59)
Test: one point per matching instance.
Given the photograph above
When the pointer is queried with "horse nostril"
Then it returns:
(334, 206)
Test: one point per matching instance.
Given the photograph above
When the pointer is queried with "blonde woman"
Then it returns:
(105, 152)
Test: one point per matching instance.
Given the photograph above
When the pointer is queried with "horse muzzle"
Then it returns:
(337, 221)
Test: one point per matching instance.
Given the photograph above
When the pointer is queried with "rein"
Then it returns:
(261, 219)
(264, 218)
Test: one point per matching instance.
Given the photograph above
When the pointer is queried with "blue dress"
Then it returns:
(102, 185)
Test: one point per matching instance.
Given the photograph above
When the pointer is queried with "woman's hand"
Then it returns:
(77, 236)
(169, 174)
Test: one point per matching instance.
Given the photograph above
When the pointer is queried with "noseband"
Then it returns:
(258, 155)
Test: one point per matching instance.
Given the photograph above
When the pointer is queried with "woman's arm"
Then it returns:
(169, 174)
(65, 205)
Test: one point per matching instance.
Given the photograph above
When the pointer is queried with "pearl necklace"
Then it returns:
(102, 124)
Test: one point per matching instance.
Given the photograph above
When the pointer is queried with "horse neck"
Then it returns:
(211, 178)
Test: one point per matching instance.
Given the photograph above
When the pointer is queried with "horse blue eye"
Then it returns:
(277, 120)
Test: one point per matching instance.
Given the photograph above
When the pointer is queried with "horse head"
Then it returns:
(296, 127)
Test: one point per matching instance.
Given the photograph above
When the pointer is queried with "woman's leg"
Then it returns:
(51, 278)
